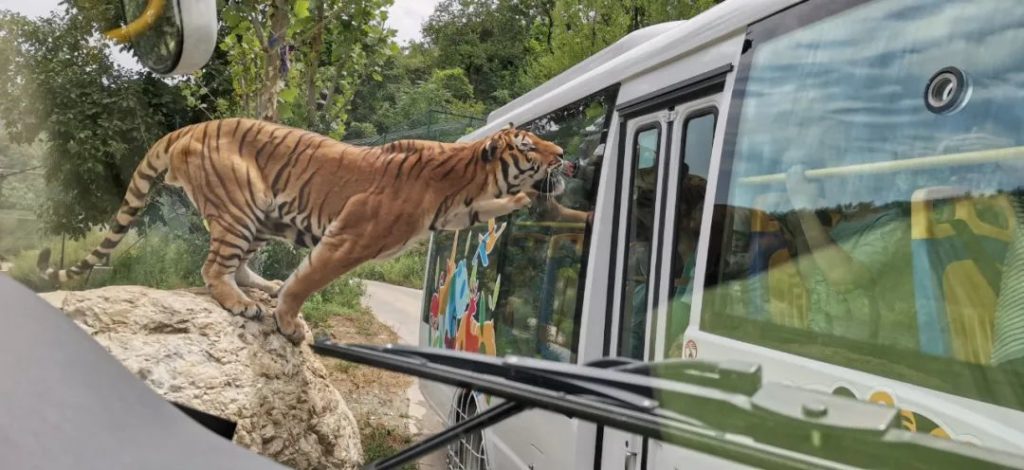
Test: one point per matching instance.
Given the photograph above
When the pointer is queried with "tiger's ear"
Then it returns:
(508, 126)
(490, 150)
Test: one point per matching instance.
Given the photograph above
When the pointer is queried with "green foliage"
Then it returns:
(360, 130)
(278, 259)
(98, 119)
(405, 269)
(22, 187)
(574, 30)
(380, 441)
(439, 92)
(488, 39)
(25, 270)
(344, 296)
(301, 65)
(20, 232)
(164, 259)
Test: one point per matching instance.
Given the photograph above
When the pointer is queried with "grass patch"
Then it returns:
(344, 367)
(342, 297)
(381, 441)
(404, 270)
(162, 260)
(25, 271)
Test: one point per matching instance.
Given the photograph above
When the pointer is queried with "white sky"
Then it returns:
(405, 16)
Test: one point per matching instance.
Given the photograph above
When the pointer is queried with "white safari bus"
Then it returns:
(827, 188)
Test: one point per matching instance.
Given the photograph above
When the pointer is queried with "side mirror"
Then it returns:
(169, 37)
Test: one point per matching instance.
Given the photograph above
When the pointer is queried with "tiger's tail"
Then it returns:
(154, 164)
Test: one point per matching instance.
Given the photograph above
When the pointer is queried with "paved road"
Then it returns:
(399, 308)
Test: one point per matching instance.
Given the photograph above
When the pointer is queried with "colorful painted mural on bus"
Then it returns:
(460, 308)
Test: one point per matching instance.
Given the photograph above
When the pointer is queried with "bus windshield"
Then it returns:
(869, 202)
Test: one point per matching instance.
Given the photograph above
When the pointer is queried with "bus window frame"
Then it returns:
(708, 110)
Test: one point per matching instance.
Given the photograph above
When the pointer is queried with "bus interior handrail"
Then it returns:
(889, 166)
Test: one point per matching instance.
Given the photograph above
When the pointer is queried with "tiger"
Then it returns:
(252, 181)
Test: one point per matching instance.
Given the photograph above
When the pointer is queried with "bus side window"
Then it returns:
(698, 136)
(647, 146)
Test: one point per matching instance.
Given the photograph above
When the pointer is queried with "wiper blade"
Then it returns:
(721, 409)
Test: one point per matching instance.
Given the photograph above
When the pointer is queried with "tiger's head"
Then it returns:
(522, 160)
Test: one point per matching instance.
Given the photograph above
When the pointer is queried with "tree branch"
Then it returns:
(4, 174)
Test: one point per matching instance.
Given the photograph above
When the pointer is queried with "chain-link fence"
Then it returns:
(442, 126)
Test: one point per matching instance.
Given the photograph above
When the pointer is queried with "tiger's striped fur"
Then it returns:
(254, 180)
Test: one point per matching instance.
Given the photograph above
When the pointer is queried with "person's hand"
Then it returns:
(803, 194)
(569, 168)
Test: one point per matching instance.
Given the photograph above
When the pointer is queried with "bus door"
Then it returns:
(660, 188)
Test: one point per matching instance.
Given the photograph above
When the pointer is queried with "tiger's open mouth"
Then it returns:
(552, 185)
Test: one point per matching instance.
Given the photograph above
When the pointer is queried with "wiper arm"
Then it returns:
(715, 408)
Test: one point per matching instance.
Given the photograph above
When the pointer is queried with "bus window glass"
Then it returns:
(698, 135)
(514, 286)
(632, 326)
(866, 222)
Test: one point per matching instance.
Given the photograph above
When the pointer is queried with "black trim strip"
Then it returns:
(643, 453)
(674, 93)
(599, 447)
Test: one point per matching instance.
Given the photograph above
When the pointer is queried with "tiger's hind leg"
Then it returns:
(246, 277)
(228, 247)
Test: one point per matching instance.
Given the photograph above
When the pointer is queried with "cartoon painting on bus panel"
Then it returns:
(459, 308)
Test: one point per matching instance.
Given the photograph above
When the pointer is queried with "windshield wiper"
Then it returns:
(722, 409)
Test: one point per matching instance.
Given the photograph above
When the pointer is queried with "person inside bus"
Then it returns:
(857, 266)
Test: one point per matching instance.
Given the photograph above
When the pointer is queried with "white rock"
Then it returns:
(192, 351)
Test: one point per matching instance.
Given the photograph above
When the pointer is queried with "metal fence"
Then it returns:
(442, 126)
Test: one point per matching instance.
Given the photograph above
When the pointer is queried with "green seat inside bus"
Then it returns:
(958, 244)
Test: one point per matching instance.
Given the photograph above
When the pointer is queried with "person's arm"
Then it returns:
(840, 270)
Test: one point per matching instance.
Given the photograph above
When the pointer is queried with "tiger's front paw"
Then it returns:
(521, 200)
(246, 308)
(273, 287)
(290, 327)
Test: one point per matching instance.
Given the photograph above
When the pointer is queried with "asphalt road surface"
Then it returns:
(399, 308)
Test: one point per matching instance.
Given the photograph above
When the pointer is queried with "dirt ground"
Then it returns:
(377, 398)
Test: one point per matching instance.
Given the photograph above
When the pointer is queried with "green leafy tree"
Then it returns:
(488, 39)
(21, 184)
(573, 30)
(299, 62)
(446, 90)
(98, 119)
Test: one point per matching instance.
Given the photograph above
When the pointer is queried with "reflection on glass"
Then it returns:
(159, 47)
(525, 299)
(860, 228)
(698, 135)
(644, 182)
